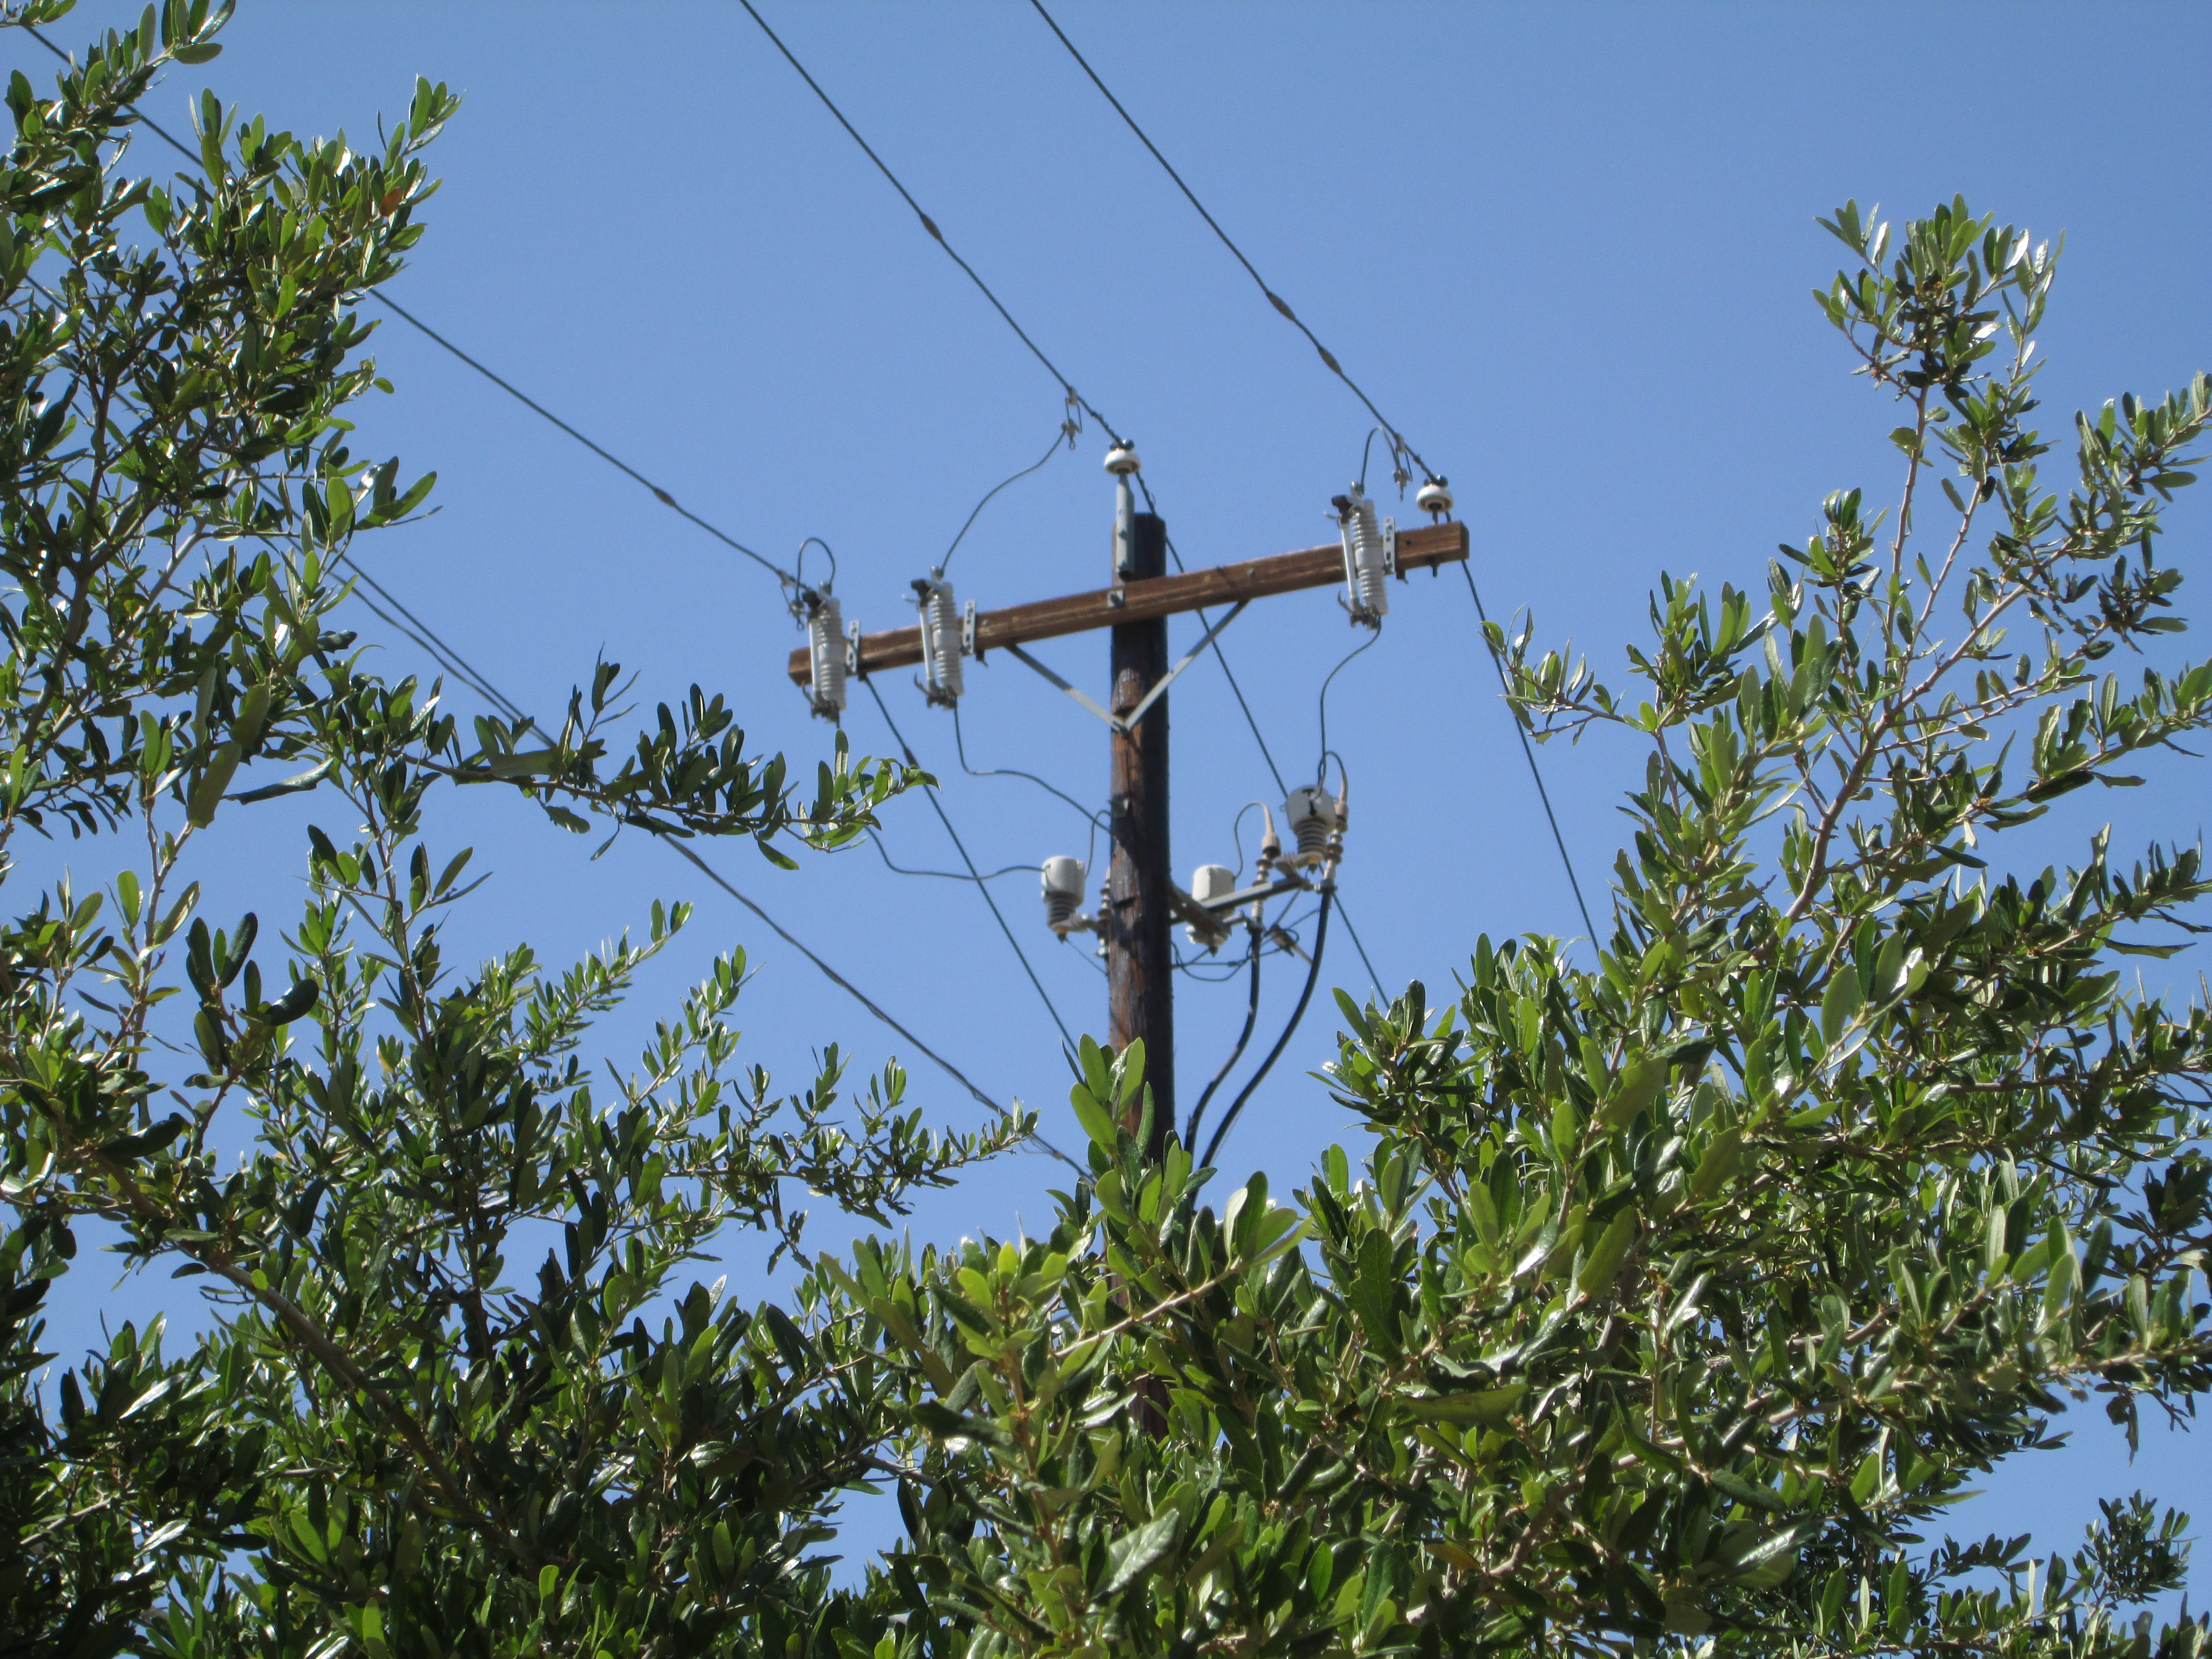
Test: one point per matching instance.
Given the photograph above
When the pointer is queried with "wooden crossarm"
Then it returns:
(1425, 547)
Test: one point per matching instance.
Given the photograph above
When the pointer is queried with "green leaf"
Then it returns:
(1841, 1005)
(1637, 1086)
(1605, 1256)
(1134, 1555)
(1489, 1405)
(1097, 1122)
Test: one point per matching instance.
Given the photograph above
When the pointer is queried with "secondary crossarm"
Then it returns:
(1423, 547)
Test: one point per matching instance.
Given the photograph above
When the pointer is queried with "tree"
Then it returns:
(1679, 1295)
(432, 1416)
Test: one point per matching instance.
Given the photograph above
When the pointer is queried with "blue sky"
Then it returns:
(1568, 249)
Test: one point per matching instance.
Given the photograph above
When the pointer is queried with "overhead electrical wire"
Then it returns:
(1068, 386)
(1313, 975)
(513, 390)
(930, 225)
(930, 790)
(1252, 271)
(1244, 1036)
(440, 651)
(1527, 749)
(1065, 436)
(457, 665)
(944, 875)
(1345, 916)
(1098, 821)
(1396, 437)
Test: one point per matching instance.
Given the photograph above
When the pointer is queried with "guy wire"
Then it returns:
(930, 790)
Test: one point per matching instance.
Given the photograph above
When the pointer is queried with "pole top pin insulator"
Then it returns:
(1434, 499)
(1121, 460)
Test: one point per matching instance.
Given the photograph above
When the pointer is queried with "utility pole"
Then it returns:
(1138, 922)
(1142, 901)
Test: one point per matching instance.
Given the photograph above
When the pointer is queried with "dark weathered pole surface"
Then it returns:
(1140, 888)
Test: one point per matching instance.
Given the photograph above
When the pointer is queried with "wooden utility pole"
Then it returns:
(1139, 921)
(1142, 900)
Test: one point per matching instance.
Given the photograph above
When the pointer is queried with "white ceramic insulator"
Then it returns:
(825, 650)
(940, 643)
(1063, 890)
(1371, 594)
(1312, 814)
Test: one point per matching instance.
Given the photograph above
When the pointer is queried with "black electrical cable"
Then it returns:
(930, 225)
(1339, 668)
(897, 868)
(1530, 752)
(1345, 916)
(1097, 821)
(507, 386)
(1066, 435)
(1273, 299)
(930, 790)
(459, 665)
(1251, 1016)
(1313, 975)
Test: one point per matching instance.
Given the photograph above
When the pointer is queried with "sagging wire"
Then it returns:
(1399, 475)
(1100, 825)
(1244, 1036)
(944, 875)
(1236, 834)
(470, 677)
(1069, 429)
(1313, 977)
(930, 790)
(798, 575)
(1346, 663)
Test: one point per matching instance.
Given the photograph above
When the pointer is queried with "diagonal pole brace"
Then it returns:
(1079, 697)
(1128, 722)
(1160, 686)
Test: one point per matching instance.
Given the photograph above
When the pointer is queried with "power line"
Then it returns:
(454, 662)
(523, 398)
(1345, 916)
(930, 225)
(1313, 975)
(930, 790)
(1066, 434)
(942, 875)
(1273, 298)
(1521, 732)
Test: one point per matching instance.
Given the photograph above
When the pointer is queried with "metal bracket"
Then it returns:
(1128, 722)
(1205, 921)
(1024, 656)
(1389, 547)
(968, 631)
(853, 649)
